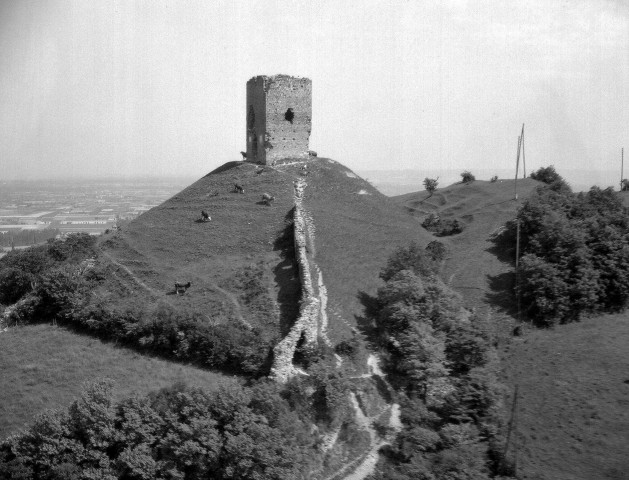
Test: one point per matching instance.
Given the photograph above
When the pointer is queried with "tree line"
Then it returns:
(575, 251)
(440, 359)
(52, 283)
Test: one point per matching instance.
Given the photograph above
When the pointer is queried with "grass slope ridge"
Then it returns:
(483, 208)
(357, 229)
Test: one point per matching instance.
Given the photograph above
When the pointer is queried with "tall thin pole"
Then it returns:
(517, 241)
(622, 165)
(517, 168)
(523, 157)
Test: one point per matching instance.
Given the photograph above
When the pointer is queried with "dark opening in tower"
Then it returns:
(289, 115)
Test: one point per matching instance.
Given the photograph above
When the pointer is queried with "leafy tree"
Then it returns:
(407, 258)
(14, 284)
(440, 361)
(430, 184)
(34, 260)
(575, 253)
(467, 176)
(177, 433)
(550, 176)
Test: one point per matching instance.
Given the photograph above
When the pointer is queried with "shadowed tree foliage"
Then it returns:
(177, 433)
(440, 361)
(575, 252)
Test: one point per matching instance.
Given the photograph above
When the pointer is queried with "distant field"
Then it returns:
(573, 415)
(42, 367)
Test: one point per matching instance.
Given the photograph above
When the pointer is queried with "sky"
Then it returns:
(126, 88)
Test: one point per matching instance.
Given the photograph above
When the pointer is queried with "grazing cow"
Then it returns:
(180, 288)
(244, 155)
(312, 153)
(205, 216)
(268, 199)
(238, 188)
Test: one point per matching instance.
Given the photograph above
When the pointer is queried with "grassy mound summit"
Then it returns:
(356, 229)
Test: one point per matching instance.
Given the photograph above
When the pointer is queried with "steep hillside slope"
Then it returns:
(245, 238)
(356, 230)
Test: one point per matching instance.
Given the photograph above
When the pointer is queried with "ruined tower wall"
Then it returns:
(288, 137)
(282, 107)
(256, 120)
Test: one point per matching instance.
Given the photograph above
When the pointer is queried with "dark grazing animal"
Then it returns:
(268, 199)
(180, 288)
(238, 188)
(205, 216)
(244, 155)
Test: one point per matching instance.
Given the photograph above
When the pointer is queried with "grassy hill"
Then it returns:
(170, 243)
(472, 266)
(356, 229)
(573, 400)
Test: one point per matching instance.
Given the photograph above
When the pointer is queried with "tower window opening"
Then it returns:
(289, 115)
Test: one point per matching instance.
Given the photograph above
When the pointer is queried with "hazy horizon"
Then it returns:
(390, 182)
(91, 88)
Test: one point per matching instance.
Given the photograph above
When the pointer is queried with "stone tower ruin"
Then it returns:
(279, 113)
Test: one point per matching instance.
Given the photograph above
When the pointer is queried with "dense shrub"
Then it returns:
(547, 175)
(442, 227)
(177, 433)
(467, 177)
(436, 251)
(228, 346)
(34, 260)
(575, 253)
(14, 284)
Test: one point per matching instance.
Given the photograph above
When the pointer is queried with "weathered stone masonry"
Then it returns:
(307, 323)
(279, 113)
